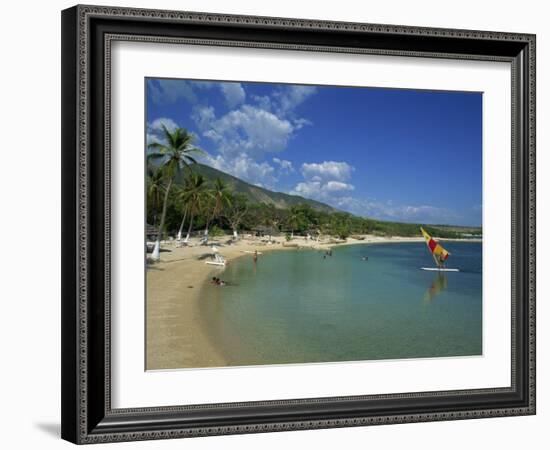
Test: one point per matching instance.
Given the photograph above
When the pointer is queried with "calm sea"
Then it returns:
(297, 306)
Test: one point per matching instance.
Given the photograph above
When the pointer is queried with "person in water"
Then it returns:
(255, 256)
(217, 281)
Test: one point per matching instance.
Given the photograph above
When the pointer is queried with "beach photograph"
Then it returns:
(301, 224)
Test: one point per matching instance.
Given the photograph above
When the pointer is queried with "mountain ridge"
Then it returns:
(257, 194)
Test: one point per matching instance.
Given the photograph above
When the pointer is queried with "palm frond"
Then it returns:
(170, 137)
(155, 156)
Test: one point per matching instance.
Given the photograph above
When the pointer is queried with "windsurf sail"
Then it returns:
(439, 254)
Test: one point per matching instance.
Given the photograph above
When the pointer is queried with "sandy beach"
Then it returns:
(175, 335)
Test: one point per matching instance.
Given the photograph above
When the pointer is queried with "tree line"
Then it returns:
(207, 206)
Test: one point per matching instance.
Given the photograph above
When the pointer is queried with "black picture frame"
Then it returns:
(87, 32)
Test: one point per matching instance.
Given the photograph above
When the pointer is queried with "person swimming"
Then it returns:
(218, 282)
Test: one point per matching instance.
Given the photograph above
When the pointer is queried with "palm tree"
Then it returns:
(295, 220)
(155, 178)
(221, 197)
(193, 196)
(180, 195)
(173, 155)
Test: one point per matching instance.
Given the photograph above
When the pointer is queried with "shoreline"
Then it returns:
(175, 335)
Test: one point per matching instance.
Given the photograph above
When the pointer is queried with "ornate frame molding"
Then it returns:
(84, 421)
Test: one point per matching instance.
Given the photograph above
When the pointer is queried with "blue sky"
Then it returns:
(392, 154)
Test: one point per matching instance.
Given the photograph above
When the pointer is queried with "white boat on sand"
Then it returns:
(218, 260)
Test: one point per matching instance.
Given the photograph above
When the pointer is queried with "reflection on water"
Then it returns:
(296, 306)
(438, 285)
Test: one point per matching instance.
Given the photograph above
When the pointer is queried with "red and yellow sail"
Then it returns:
(439, 254)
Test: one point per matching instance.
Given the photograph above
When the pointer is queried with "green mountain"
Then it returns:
(256, 194)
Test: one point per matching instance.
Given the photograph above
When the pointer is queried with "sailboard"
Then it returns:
(439, 254)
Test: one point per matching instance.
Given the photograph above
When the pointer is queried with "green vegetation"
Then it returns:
(189, 194)
(255, 194)
(173, 157)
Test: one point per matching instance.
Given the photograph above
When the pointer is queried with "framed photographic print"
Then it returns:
(280, 224)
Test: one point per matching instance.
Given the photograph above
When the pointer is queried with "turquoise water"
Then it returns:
(297, 307)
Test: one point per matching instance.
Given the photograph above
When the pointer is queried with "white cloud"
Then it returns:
(244, 136)
(203, 116)
(289, 97)
(234, 93)
(284, 164)
(329, 182)
(334, 194)
(170, 91)
(337, 186)
(156, 125)
(263, 101)
(390, 211)
(327, 170)
(325, 192)
(283, 102)
(308, 189)
(300, 123)
(205, 84)
(326, 181)
(245, 168)
(155, 133)
(249, 130)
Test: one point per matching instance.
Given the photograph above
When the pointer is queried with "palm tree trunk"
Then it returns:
(156, 251)
(208, 222)
(180, 231)
(189, 230)
(205, 237)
